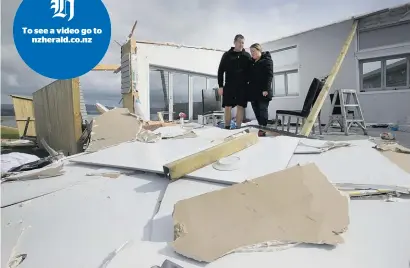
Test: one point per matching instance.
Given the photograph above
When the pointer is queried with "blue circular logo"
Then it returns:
(62, 39)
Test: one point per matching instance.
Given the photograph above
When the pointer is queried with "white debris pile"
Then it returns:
(283, 203)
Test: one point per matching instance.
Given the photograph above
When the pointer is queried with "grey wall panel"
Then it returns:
(387, 17)
(385, 36)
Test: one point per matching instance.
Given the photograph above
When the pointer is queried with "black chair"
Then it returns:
(211, 105)
(311, 97)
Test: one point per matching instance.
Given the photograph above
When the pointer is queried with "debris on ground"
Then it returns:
(388, 136)
(15, 159)
(298, 205)
(113, 127)
(50, 170)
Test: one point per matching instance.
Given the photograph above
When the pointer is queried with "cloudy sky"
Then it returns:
(210, 23)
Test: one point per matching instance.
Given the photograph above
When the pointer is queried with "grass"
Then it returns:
(9, 133)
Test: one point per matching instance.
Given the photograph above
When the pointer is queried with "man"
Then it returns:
(235, 65)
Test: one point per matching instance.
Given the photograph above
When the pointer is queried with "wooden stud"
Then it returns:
(106, 67)
(186, 165)
(307, 127)
(160, 117)
(78, 121)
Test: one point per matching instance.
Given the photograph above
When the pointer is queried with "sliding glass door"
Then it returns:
(175, 91)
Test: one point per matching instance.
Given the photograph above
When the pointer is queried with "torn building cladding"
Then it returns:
(276, 200)
(166, 194)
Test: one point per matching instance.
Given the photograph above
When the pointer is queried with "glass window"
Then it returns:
(396, 72)
(372, 75)
(293, 84)
(198, 84)
(279, 85)
(285, 57)
(158, 93)
(180, 92)
(212, 83)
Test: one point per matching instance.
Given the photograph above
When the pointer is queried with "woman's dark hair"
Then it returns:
(238, 37)
(257, 47)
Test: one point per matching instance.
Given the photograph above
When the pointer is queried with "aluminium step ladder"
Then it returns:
(346, 111)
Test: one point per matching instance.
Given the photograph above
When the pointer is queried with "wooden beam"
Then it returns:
(77, 117)
(186, 165)
(307, 127)
(24, 119)
(106, 67)
(129, 98)
(160, 117)
(21, 97)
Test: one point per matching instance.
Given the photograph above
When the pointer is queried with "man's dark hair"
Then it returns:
(238, 36)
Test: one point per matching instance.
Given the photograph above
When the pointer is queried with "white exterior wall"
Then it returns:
(317, 51)
(184, 59)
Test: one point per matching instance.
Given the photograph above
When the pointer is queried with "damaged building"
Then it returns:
(376, 65)
(151, 185)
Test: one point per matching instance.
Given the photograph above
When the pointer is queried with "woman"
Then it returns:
(260, 84)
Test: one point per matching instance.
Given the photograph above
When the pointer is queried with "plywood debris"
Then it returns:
(113, 127)
(153, 125)
(393, 147)
(298, 204)
(396, 153)
(400, 159)
(183, 166)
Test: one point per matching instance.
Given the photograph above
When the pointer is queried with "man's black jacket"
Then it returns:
(235, 65)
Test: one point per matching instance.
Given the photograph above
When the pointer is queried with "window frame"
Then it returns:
(285, 70)
(171, 72)
(285, 73)
(383, 61)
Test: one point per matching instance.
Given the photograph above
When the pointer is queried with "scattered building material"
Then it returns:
(392, 147)
(188, 164)
(387, 136)
(176, 131)
(151, 157)
(148, 136)
(90, 209)
(317, 107)
(396, 153)
(15, 159)
(106, 67)
(356, 164)
(53, 170)
(23, 109)
(51, 151)
(268, 155)
(153, 125)
(17, 143)
(58, 115)
(160, 117)
(307, 146)
(112, 128)
(295, 205)
(101, 108)
(400, 159)
(112, 175)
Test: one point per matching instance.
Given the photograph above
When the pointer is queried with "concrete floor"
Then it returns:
(403, 138)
